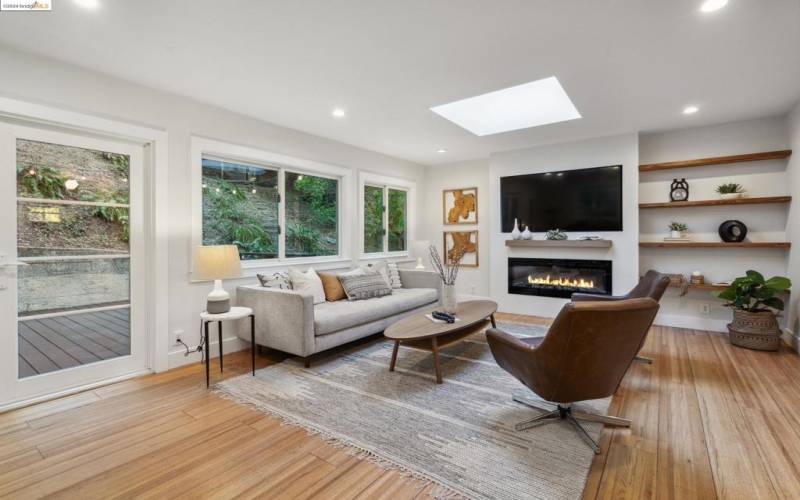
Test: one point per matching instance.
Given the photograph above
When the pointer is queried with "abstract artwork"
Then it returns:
(460, 206)
(465, 242)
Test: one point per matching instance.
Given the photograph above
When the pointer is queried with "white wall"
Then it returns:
(471, 281)
(47, 81)
(616, 150)
(764, 222)
(793, 229)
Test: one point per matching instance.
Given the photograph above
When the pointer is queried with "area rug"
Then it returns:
(459, 435)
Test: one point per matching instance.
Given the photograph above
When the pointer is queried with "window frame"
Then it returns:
(222, 151)
(386, 183)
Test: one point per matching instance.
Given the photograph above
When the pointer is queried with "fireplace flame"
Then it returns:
(575, 283)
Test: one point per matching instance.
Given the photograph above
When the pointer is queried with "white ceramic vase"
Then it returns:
(449, 299)
(515, 233)
(675, 234)
(527, 235)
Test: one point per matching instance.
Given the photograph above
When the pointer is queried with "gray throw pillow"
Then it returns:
(275, 280)
(365, 286)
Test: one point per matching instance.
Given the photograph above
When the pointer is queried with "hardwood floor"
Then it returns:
(710, 420)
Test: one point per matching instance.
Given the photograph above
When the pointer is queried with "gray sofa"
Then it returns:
(289, 321)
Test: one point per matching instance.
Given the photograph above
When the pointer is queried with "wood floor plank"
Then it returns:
(684, 467)
(710, 420)
(76, 351)
(738, 470)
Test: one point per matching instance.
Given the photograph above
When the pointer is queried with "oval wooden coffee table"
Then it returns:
(419, 332)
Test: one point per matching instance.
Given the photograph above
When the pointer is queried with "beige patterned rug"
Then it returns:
(459, 435)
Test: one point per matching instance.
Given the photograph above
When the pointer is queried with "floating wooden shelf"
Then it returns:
(714, 244)
(717, 160)
(560, 243)
(705, 286)
(712, 203)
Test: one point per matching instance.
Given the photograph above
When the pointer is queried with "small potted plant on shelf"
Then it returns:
(754, 302)
(676, 230)
(730, 190)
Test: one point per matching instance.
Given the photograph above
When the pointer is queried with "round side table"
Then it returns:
(235, 313)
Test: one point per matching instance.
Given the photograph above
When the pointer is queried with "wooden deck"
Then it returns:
(53, 343)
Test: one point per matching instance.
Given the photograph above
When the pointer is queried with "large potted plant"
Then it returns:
(755, 301)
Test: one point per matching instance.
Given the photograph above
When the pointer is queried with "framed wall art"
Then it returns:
(460, 205)
(466, 241)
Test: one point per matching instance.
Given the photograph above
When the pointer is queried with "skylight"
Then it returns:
(528, 105)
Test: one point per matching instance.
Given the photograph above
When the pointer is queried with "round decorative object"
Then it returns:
(679, 190)
(526, 234)
(732, 231)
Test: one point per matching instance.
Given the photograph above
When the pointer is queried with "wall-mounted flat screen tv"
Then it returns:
(588, 199)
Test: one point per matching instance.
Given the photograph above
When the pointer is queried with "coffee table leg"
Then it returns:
(394, 355)
(494, 324)
(435, 349)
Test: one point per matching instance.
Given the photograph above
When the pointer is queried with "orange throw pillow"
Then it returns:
(332, 286)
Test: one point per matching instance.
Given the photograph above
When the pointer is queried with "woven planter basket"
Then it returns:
(755, 330)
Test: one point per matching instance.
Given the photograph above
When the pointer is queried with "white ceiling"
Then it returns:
(628, 65)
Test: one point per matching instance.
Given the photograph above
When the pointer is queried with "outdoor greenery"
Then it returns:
(42, 182)
(231, 216)
(373, 219)
(241, 208)
(753, 293)
(397, 220)
(311, 215)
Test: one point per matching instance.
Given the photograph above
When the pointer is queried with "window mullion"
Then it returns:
(385, 219)
(281, 213)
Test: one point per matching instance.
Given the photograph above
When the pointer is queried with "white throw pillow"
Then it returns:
(381, 268)
(394, 275)
(308, 282)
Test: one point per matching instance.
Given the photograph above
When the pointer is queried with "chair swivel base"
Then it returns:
(565, 412)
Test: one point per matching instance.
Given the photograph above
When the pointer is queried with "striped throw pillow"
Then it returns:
(366, 286)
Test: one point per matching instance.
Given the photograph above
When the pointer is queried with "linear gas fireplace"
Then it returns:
(558, 277)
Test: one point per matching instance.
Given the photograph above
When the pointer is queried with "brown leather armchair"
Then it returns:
(652, 285)
(584, 356)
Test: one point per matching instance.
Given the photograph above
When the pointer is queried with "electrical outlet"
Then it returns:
(178, 336)
(705, 309)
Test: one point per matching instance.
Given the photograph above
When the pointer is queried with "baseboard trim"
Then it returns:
(231, 344)
(75, 390)
(692, 322)
(791, 340)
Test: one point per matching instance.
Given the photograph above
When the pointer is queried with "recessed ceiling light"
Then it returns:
(338, 113)
(441, 151)
(89, 4)
(712, 5)
(690, 110)
(528, 105)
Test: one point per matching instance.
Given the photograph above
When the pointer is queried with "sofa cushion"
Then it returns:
(334, 316)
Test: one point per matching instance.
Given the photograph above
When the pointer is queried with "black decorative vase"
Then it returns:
(732, 231)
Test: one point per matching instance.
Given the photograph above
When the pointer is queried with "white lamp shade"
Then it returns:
(216, 262)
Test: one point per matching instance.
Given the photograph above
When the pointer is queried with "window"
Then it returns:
(397, 220)
(385, 219)
(268, 209)
(240, 207)
(312, 227)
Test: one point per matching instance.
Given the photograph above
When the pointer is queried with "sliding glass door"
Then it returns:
(70, 248)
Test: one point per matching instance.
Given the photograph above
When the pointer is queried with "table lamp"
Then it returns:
(217, 263)
(420, 249)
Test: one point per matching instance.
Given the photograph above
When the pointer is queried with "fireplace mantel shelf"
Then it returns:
(560, 243)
